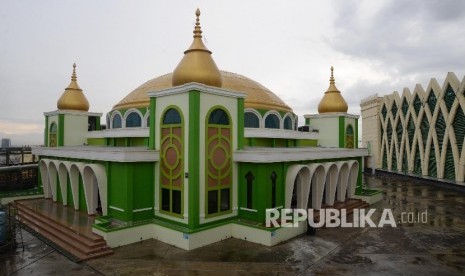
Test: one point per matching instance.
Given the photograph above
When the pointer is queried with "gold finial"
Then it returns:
(197, 29)
(331, 79)
(197, 64)
(73, 98)
(73, 76)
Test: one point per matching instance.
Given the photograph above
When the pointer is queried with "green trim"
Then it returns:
(152, 130)
(262, 111)
(61, 130)
(171, 136)
(208, 156)
(341, 131)
(46, 132)
(96, 141)
(97, 123)
(193, 158)
(240, 124)
(307, 121)
(356, 134)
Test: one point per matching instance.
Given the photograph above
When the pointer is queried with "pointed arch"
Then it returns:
(331, 180)
(95, 186)
(298, 180)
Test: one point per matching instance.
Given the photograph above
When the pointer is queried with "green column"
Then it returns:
(61, 130)
(240, 123)
(193, 158)
(152, 130)
(356, 134)
(46, 132)
(342, 124)
(97, 123)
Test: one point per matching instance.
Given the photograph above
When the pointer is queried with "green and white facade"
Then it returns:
(191, 164)
(188, 173)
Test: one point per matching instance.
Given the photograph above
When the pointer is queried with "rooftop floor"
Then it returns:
(433, 248)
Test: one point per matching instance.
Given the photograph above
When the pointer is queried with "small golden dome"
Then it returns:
(197, 65)
(258, 96)
(73, 98)
(332, 101)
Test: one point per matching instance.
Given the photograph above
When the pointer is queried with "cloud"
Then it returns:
(22, 133)
(11, 127)
(405, 37)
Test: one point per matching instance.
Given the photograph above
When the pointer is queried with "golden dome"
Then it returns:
(332, 100)
(197, 65)
(258, 96)
(73, 98)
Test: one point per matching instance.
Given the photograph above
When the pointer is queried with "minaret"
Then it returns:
(73, 98)
(336, 128)
(69, 125)
(332, 101)
(197, 65)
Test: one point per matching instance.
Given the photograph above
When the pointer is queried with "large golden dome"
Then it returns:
(258, 96)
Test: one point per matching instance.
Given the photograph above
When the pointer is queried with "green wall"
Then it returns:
(119, 190)
(261, 188)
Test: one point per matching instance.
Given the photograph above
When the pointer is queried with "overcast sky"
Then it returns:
(288, 46)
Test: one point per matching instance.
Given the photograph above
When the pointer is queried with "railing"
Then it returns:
(18, 177)
(16, 156)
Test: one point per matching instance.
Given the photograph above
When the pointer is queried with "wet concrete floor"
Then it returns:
(435, 246)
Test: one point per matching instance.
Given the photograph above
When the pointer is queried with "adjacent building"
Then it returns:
(419, 133)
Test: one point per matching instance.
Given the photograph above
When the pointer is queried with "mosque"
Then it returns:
(198, 155)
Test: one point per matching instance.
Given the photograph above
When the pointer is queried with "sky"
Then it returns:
(287, 46)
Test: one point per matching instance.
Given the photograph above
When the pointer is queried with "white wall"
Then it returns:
(370, 126)
(328, 128)
(75, 130)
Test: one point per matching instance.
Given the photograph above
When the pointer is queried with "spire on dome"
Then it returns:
(197, 65)
(197, 29)
(73, 84)
(73, 98)
(331, 79)
(332, 101)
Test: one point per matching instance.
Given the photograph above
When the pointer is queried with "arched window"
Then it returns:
(116, 122)
(172, 163)
(251, 120)
(52, 136)
(288, 123)
(350, 137)
(218, 162)
(133, 120)
(172, 117)
(218, 117)
(272, 121)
